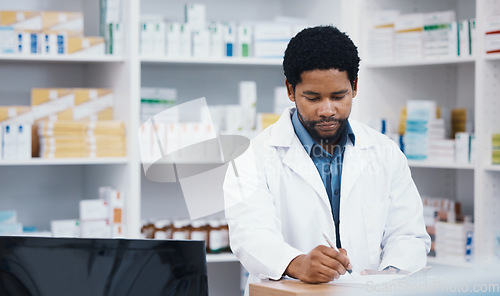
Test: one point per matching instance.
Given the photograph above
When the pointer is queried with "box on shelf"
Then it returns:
(380, 43)
(454, 240)
(65, 228)
(408, 40)
(86, 46)
(195, 16)
(271, 39)
(8, 40)
(495, 149)
(492, 34)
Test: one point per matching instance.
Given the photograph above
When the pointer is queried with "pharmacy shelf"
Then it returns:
(427, 62)
(213, 61)
(63, 58)
(222, 257)
(65, 161)
(493, 167)
(440, 165)
(492, 56)
(432, 261)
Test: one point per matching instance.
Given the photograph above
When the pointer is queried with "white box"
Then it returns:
(23, 143)
(248, 103)
(93, 209)
(216, 40)
(233, 118)
(244, 41)
(8, 216)
(159, 38)
(201, 43)
(28, 42)
(281, 100)
(65, 228)
(9, 141)
(185, 41)
(114, 39)
(95, 229)
(147, 38)
(7, 40)
(229, 40)
(462, 147)
(53, 43)
(195, 16)
(173, 39)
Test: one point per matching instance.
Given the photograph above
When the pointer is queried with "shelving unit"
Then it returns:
(43, 189)
(470, 82)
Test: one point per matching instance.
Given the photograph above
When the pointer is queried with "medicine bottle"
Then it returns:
(180, 230)
(163, 229)
(199, 230)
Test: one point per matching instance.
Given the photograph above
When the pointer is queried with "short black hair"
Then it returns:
(320, 48)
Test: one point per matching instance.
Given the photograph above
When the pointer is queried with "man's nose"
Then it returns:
(327, 108)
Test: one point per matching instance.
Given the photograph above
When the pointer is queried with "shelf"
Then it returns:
(65, 161)
(223, 257)
(440, 165)
(448, 262)
(212, 61)
(493, 167)
(426, 62)
(62, 58)
(492, 56)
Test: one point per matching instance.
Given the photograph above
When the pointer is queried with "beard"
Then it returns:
(310, 126)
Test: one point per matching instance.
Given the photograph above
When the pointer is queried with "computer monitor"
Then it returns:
(39, 266)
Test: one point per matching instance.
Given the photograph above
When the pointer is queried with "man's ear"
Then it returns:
(355, 88)
(290, 91)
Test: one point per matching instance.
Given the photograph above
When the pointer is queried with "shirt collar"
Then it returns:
(308, 142)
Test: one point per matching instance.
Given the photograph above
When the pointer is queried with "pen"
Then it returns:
(330, 243)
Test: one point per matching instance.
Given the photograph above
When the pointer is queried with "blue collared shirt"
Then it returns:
(329, 166)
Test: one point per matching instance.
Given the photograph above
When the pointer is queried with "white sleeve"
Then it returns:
(254, 225)
(405, 243)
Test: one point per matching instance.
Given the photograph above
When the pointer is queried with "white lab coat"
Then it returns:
(277, 206)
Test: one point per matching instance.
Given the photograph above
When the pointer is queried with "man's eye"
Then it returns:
(311, 99)
(339, 97)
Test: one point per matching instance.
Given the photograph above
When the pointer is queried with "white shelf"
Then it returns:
(493, 167)
(448, 262)
(492, 56)
(223, 257)
(65, 161)
(63, 58)
(212, 61)
(427, 62)
(440, 165)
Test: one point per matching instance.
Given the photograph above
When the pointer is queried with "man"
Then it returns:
(316, 171)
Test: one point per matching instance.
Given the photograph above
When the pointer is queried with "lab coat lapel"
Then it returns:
(356, 160)
(301, 164)
(294, 155)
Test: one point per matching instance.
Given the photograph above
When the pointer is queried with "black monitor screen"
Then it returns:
(38, 266)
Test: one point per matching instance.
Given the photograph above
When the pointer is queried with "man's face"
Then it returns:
(323, 99)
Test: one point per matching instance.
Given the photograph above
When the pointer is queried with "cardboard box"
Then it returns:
(86, 46)
(21, 20)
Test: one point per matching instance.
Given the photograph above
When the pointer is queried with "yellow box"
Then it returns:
(44, 95)
(21, 20)
(7, 112)
(71, 22)
(86, 45)
(83, 95)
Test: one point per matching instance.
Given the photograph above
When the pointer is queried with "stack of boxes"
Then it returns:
(9, 224)
(454, 241)
(63, 139)
(195, 37)
(492, 31)
(381, 35)
(495, 147)
(395, 36)
(46, 33)
(99, 218)
(420, 116)
(15, 135)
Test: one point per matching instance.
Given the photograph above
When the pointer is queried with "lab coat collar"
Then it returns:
(356, 158)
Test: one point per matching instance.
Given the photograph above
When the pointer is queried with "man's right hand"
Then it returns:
(321, 265)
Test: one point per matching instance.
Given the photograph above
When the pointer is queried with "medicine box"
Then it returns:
(8, 216)
(95, 229)
(93, 209)
(85, 46)
(8, 41)
(195, 16)
(22, 20)
(65, 228)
